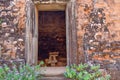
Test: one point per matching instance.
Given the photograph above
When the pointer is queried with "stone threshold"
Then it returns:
(53, 73)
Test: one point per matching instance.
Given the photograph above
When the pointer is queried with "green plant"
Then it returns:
(23, 72)
(85, 72)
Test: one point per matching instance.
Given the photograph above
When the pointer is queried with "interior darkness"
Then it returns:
(52, 36)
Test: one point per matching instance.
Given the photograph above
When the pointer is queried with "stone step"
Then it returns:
(53, 78)
(53, 73)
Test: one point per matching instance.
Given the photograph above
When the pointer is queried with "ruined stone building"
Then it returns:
(61, 32)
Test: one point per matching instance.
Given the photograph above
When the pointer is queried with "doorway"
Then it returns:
(52, 38)
(32, 32)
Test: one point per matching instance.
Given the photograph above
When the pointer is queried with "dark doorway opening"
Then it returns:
(52, 38)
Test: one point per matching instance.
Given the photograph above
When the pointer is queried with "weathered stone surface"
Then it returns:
(98, 28)
(12, 29)
(98, 32)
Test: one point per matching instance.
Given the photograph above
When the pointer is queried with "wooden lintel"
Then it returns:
(51, 7)
(50, 1)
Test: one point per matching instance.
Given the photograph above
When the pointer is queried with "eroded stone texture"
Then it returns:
(12, 30)
(99, 33)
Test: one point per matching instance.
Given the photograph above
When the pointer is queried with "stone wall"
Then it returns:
(98, 32)
(98, 25)
(12, 30)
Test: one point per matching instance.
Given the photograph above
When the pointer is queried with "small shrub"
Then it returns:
(85, 72)
(23, 72)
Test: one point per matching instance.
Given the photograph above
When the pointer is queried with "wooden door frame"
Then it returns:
(31, 42)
